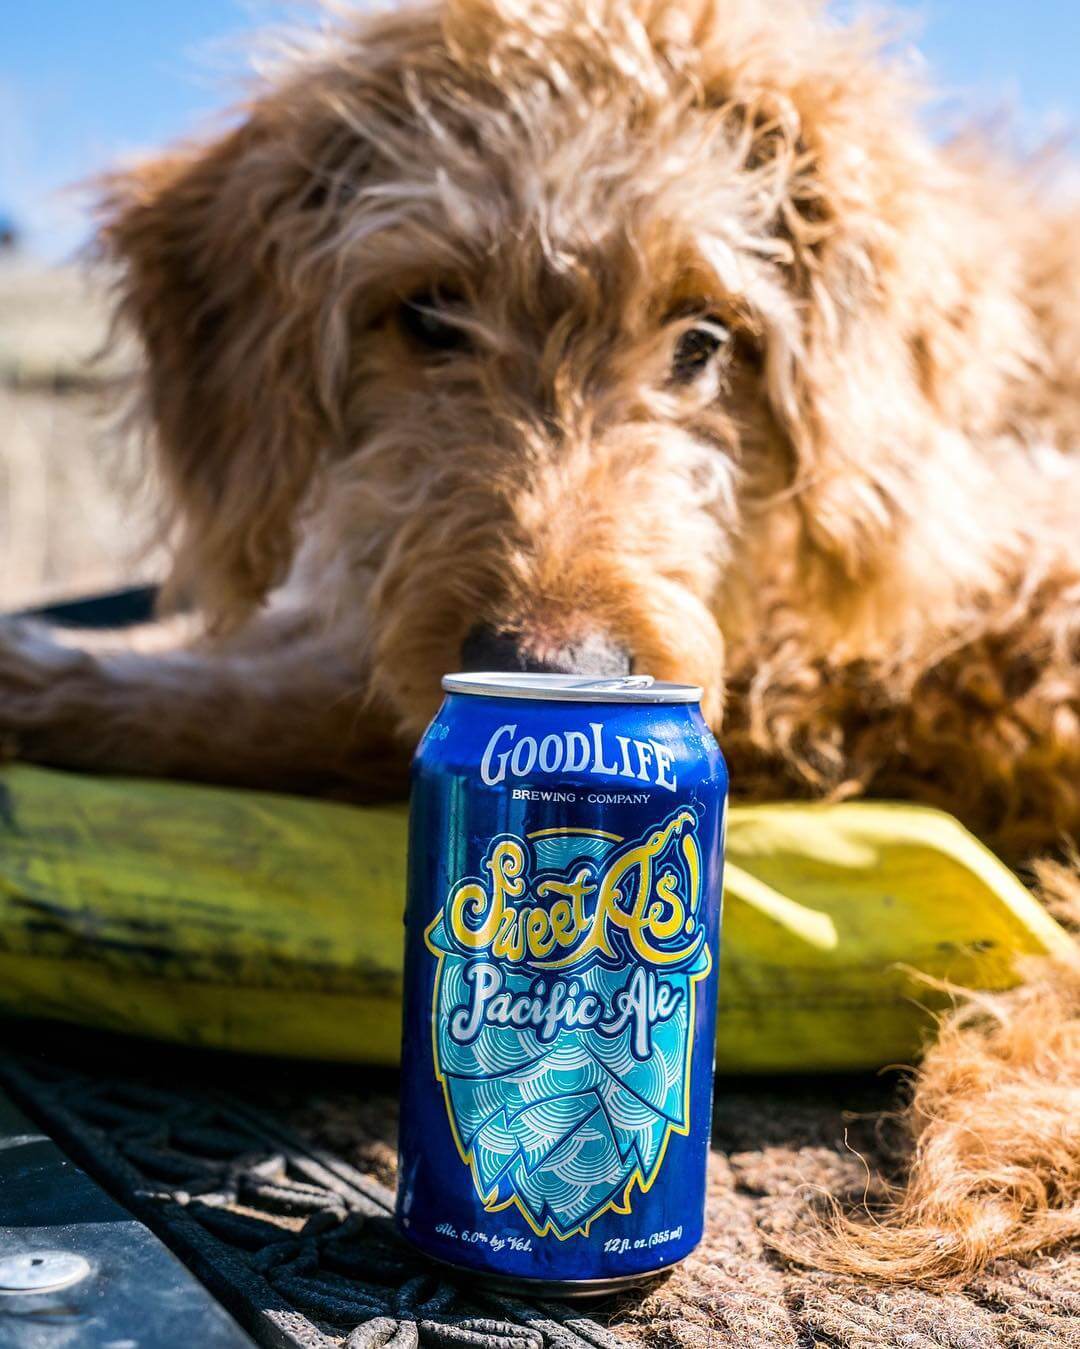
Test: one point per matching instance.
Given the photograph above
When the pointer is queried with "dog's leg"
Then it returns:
(278, 708)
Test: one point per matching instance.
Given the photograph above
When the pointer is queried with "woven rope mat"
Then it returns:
(194, 1144)
(774, 1146)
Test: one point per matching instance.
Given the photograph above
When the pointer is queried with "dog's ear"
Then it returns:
(912, 326)
(914, 332)
(201, 238)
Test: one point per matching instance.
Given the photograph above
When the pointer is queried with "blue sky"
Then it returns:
(85, 82)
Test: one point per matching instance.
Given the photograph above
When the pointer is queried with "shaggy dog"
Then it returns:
(607, 334)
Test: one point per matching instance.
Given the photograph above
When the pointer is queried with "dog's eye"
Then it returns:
(422, 320)
(696, 348)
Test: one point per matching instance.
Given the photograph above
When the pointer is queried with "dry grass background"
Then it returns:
(74, 514)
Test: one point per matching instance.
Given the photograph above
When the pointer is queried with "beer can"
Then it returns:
(562, 930)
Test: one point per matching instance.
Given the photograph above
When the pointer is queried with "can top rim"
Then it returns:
(569, 688)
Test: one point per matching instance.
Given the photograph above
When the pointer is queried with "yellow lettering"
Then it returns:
(475, 916)
(630, 898)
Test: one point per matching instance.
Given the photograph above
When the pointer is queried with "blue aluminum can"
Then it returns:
(562, 931)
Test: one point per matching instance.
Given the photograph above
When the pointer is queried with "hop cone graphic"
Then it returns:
(565, 1128)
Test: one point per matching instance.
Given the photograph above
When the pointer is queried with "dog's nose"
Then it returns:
(486, 648)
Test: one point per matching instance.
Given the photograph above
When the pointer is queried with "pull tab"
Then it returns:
(616, 684)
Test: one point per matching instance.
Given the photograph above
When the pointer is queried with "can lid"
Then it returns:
(569, 688)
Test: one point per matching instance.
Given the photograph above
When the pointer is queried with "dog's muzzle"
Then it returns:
(485, 648)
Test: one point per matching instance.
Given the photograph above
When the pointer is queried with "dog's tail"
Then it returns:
(995, 1118)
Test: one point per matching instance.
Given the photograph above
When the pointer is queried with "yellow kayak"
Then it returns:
(263, 923)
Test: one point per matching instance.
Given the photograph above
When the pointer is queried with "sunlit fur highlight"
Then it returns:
(857, 530)
(995, 1115)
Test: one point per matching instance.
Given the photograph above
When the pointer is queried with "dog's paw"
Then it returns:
(37, 674)
(31, 657)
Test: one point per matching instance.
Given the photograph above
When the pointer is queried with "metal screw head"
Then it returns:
(41, 1271)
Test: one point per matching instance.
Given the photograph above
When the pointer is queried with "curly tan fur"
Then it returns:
(995, 1113)
(854, 524)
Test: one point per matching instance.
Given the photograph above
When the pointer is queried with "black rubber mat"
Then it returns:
(297, 1244)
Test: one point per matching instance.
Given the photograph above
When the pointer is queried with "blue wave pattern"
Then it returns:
(563, 1129)
(555, 854)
